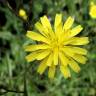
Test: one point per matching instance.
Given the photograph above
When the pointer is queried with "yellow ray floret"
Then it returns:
(92, 10)
(42, 67)
(68, 23)
(55, 56)
(36, 47)
(51, 72)
(35, 36)
(58, 24)
(74, 65)
(58, 46)
(65, 70)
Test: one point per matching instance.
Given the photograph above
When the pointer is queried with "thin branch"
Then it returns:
(15, 91)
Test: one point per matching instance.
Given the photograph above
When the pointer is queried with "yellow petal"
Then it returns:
(79, 58)
(79, 41)
(42, 54)
(65, 36)
(65, 70)
(31, 57)
(76, 30)
(74, 65)
(63, 59)
(45, 22)
(40, 28)
(68, 23)
(51, 71)
(92, 11)
(58, 21)
(50, 60)
(36, 47)
(76, 40)
(42, 67)
(36, 36)
(58, 32)
(76, 50)
(67, 51)
(68, 40)
(58, 25)
(55, 56)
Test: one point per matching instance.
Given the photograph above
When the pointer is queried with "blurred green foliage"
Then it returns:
(12, 39)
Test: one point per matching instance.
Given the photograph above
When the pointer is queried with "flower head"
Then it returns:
(92, 10)
(57, 47)
(22, 13)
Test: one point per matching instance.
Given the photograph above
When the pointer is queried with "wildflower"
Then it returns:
(57, 47)
(92, 10)
(22, 14)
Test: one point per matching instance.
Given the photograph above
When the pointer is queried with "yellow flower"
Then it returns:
(92, 10)
(22, 13)
(57, 47)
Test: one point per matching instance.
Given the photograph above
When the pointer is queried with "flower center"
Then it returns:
(55, 44)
